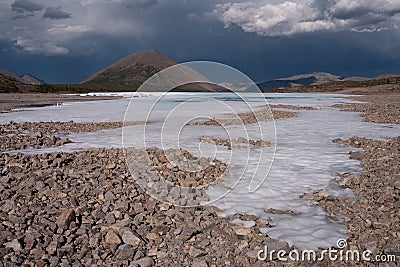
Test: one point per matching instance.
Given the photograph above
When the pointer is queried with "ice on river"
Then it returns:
(305, 161)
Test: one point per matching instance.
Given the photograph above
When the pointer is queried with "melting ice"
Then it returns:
(305, 161)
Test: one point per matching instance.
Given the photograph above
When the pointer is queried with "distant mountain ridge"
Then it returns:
(315, 78)
(26, 79)
(130, 72)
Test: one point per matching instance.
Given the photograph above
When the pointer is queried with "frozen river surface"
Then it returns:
(305, 159)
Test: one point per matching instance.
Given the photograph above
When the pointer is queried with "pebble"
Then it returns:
(111, 166)
(243, 231)
(66, 218)
(130, 238)
(14, 244)
(125, 252)
(277, 211)
(144, 262)
(195, 252)
(199, 263)
(109, 196)
(112, 238)
(307, 197)
(324, 193)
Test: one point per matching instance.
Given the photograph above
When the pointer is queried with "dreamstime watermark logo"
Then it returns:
(190, 142)
(340, 253)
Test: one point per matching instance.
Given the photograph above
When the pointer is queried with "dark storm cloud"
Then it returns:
(366, 15)
(56, 13)
(25, 5)
(25, 8)
(346, 9)
(264, 39)
(139, 3)
(279, 18)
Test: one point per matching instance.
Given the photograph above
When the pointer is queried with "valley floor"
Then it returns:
(83, 208)
(10, 101)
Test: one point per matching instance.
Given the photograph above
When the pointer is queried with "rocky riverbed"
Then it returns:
(23, 135)
(84, 208)
(235, 143)
(174, 175)
(379, 108)
(373, 216)
(261, 114)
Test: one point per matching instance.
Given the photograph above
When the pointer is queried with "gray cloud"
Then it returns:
(325, 35)
(347, 9)
(25, 8)
(126, 3)
(139, 3)
(276, 18)
(39, 46)
(367, 15)
(56, 13)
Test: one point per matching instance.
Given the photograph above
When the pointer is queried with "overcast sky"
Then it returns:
(67, 41)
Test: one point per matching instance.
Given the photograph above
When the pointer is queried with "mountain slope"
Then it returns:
(27, 78)
(320, 77)
(129, 73)
(282, 83)
(11, 85)
(344, 86)
(299, 80)
(10, 74)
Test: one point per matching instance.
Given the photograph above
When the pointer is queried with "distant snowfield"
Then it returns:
(306, 159)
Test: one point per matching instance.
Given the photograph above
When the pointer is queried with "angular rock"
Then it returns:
(324, 193)
(14, 244)
(195, 252)
(52, 248)
(276, 211)
(144, 262)
(242, 231)
(109, 196)
(110, 218)
(130, 238)
(199, 263)
(112, 238)
(307, 197)
(111, 166)
(125, 252)
(66, 218)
